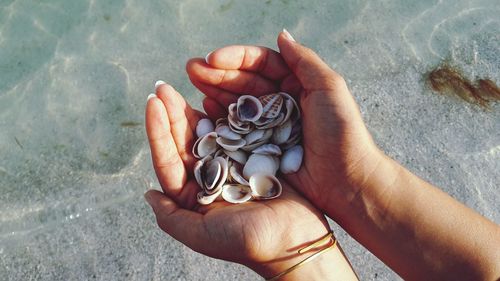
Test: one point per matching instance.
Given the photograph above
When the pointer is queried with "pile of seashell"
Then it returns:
(240, 156)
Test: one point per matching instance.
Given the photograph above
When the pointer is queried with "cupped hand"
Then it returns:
(263, 235)
(339, 153)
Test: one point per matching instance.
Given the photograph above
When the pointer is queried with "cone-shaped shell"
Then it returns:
(265, 186)
(248, 108)
(204, 127)
(236, 193)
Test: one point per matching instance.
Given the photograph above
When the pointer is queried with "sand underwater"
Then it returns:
(74, 77)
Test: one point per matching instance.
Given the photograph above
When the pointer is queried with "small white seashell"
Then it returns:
(197, 170)
(248, 108)
(205, 199)
(221, 121)
(258, 163)
(212, 173)
(204, 127)
(230, 145)
(250, 147)
(265, 186)
(291, 107)
(254, 136)
(270, 123)
(268, 149)
(225, 132)
(236, 175)
(295, 136)
(205, 145)
(238, 156)
(282, 133)
(236, 193)
(291, 160)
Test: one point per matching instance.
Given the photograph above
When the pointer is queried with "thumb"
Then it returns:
(183, 225)
(313, 73)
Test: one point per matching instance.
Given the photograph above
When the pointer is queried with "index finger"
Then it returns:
(262, 60)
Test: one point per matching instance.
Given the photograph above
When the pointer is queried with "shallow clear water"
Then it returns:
(74, 77)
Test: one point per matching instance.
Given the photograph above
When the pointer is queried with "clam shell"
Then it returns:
(224, 172)
(291, 160)
(291, 107)
(238, 156)
(271, 105)
(295, 136)
(258, 135)
(236, 193)
(258, 163)
(204, 127)
(248, 108)
(268, 149)
(230, 145)
(205, 199)
(197, 170)
(225, 132)
(250, 147)
(265, 186)
(221, 121)
(236, 176)
(205, 145)
(282, 133)
(271, 122)
(211, 174)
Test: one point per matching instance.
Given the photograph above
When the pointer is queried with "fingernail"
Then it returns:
(159, 83)
(151, 96)
(207, 56)
(148, 198)
(288, 35)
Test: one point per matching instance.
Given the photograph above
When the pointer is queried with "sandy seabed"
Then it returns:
(74, 77)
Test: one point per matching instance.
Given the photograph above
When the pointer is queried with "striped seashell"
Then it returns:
(271, 105)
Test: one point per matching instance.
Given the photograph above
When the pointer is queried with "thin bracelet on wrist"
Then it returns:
(331, 245)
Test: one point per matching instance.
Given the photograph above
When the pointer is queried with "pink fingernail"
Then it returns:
(288, 35)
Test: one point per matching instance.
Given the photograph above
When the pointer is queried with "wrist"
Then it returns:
(327, 263)
(367, 196)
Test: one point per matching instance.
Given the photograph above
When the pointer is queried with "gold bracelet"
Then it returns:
(333, 242)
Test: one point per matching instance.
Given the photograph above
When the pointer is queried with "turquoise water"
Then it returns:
(74, 77)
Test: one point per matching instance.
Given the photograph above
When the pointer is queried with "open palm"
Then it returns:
(336, 142)
(253, 233)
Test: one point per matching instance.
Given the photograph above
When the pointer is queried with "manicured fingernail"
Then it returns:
(207, 56)
(151, 96)
(288, 35)
(159, 83)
